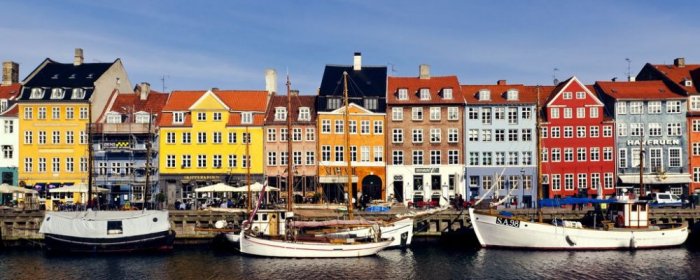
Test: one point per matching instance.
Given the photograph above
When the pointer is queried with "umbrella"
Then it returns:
(255, 187)
(5, 188)
(220, 187)
(79, 188)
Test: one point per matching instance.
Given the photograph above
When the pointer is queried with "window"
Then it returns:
(178, 117)
(568, 132)
(28, 113)
(417, 135)
(543, 132)
(568, 113)
(654, 129)
(83, 113)
(435, 113)
(9, 126)
(580, 113)
(580, 95)
(695, 103)
(83, 137)
(403, 94)
(417, 114)
(673, 107)
(246, 118)
(526, 134)
(55, 113)
(339, 153)
(486, 135)
(595, 154)
(28, 139)
(397, 114)
(296, 134)
(271, 135)
(486, 182)
(333, 103)
(554, 113)
(232, 137)
(435, 157)
(567, 95)
(280, 113)
(284, 158)
(500, 158)
(512, 94)
(545, 155)
(582, 181)
(42, 165)
(143, 118)
(271, 158)
(352, 127)
(371, 103)
(527, 158)
(364, 127)
(621, 129)
(417, 182)
(37, 93)
(447, 93)
(28, 165)
(499, 113)
(69, 137)
(580, 132)
(310, 158)
(580, 154)
(568, 154)
(486, 115)
(42, 113)
(56, 137)
(674, 157)
(418, 157)
(487, 158)
(452, 113)
(500, 135)
(397, 157)
(673, 129)
(556, 182)
(453, 157)
(636, 107)
(170, 137)
(621, 108)
(378, 127)
(232, 161)
(654, 107)
(78, 93)
(424, 94)
(526, 113)
(473, 113)
(378, 153)
(201, 137)
(569, 181)
(325, 153)
(339, 126)
(217, 137)
(56, 165)
(186, 161)
(7, 152)
(453, 135)
(216, 116)
(696, 148)
(484, 95)
(636, 129)
(246, 162)
(473, 158)
(512, 115)
(473, 135)
(170, 161)
(622, 158)
(326, 126)
(556, 154)
(512, 135)
(595, 181)
(513, 158)
(435, 135)
(296, 158)
(397, 135)
(607, 131)
(304, 114)
(42, 137)
(201, 161)
(246, 138)
(310, 134)
(607, 153)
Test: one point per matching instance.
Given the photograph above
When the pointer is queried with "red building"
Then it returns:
(577, 143)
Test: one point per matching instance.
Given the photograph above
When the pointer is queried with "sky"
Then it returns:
(191, 45)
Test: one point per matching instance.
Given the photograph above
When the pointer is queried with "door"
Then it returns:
(372, 186)
(398, 191)
(274, 224)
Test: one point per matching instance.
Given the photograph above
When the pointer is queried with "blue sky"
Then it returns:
(229, 44)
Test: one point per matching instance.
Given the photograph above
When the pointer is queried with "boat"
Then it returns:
(292, 243)
(107, 231)
(623, 226)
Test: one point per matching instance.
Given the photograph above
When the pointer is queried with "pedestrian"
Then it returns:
(693, 200)
(684, 200)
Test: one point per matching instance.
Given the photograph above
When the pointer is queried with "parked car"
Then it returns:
(665, 199)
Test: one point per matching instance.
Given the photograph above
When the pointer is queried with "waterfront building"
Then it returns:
(682, 78)
(211, 136)
(9, 139)
(303, 135)
(424, 146)
(651, 130)
(577, 143)
(367, 98)
(120, 140)
(501, 144)
(56, 105)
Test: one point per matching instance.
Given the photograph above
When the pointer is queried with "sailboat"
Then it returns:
(295, 245)
(625, 226)
(107, 231)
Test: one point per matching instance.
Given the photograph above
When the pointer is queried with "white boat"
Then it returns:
(107, 231)
(400, 231)
(631, 230)
(327, 248)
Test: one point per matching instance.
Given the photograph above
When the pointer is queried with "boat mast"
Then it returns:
(246, 159)
(90, 165)
(641, 163)
(290, 175)
(148, 162)
(538, 124)
(348, 185)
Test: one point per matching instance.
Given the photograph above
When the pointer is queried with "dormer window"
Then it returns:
(304, 114)
(178, 117)
(333, 103)
(57, 93)
(113, 117)
(246, 118)
(446, 93)
(280, 113)
(512, 95)
(484, 95)
(3, 105)
(403, 94)
(143, 117)
(37, 93)
(688, 82)
(371, 103)
(78, 93)
(424, 94)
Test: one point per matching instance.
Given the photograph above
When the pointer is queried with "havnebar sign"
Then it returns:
(427, 170)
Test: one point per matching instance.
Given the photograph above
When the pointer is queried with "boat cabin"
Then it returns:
(270, 222)
(629, 213)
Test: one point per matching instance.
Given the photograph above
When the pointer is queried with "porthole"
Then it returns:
(155, 220)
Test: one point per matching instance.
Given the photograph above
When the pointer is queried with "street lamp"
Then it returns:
(522, 186)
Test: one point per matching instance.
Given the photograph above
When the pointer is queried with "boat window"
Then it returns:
(255, 218)
(264, 217)
(114, 227)
(282, 215)
(155, 220)
(634, 207)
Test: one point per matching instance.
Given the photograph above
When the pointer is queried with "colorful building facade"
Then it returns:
(9, 139)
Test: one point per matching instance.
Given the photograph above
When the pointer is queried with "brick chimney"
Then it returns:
(78, 58)
(679, 62)
(357, 62)
(270, 80)
(294, 92)
(10, 73)
(424, 71)
(501, 82)
(144, 90)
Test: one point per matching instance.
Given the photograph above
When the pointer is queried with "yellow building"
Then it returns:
(57, 103)
(366, 152)
(203, 140)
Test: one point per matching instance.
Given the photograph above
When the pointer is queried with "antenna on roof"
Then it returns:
(162, 81)
(393, 67)
(629, 72)
(554, 76)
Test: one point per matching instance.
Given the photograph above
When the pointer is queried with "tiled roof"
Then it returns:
(11, 91)
(11, 112)
(526, 94)
(414, 84)
(679, 74)
(125, 103)
(297, 102)
(637, 90)
(237, 100)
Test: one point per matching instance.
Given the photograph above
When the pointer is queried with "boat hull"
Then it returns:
(498, 231)
(282, 249)
(159, 241)
(400, 232)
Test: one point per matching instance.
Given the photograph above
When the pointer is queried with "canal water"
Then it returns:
(423, 261)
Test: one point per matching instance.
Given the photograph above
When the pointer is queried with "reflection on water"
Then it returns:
(424, 261)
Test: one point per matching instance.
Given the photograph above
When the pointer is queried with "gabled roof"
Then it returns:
(10, 92)
(55, 74)
(526, 94)
(127, 103)
(368, 81)
(639, 90)
(10, 112)
(298, 101)
(678, 75)
(236, 100)
(415, 84)
(574, 83)
(353, 109)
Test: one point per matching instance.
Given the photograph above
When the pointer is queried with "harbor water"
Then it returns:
(422, 261)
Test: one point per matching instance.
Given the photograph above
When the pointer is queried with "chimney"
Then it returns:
(679, 62)
(501, 82)
(144, 90)
(424, 71)
(294, 92)
(631, 78)
(78, 59)
(10, 73)
(357, 62)
(270, 80)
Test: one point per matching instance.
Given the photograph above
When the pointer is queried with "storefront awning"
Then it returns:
(335, 179)
(657, 179)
